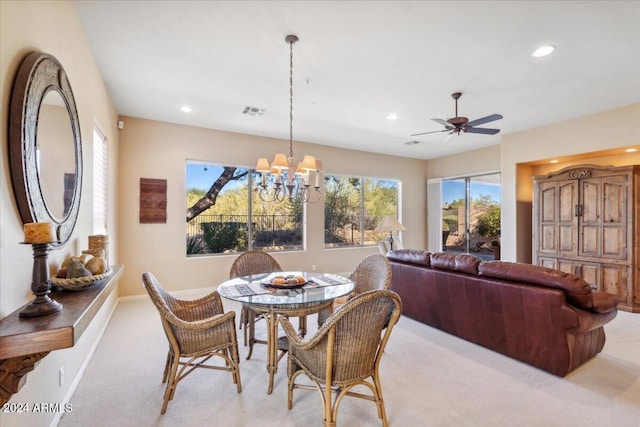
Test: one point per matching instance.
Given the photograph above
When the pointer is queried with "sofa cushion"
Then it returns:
(410, 256)
(462, 263)
(578, 292)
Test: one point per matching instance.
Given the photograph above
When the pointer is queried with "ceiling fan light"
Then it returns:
(543, 51)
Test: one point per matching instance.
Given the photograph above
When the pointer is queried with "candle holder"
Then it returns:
(41, 285)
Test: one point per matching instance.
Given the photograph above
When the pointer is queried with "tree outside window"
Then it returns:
(471, 215)
(225, 215)
(353, 208)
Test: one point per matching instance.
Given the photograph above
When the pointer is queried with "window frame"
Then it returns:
(100, 181)
(252, 182)
(361, 210)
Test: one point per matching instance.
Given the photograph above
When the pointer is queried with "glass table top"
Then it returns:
(257, 288)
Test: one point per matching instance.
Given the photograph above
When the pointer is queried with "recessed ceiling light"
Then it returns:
(553, 161)
(186, 109)
(631, 150)
(543, 51)
(392, 116)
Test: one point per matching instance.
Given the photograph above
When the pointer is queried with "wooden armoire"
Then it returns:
(585, 222)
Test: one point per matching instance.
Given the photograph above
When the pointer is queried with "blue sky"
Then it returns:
(201, 176)
(454, 190)
(198, 177)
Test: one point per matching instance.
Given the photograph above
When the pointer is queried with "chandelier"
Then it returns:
(283, 179)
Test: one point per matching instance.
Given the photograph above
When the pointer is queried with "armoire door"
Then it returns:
(558, 217)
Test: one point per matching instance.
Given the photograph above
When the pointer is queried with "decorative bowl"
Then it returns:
(80, 283)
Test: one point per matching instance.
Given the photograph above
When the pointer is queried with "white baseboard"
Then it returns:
(76, 380)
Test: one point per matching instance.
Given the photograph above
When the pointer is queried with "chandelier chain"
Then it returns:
(291, 99)
(290, 181)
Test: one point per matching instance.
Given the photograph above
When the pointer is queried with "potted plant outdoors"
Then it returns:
(495, 247)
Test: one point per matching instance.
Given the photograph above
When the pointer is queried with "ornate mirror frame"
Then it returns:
(39, 74)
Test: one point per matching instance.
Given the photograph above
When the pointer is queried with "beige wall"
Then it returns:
(609, 130)
(150, 149)
(159, 150)
(469, 163)
(51, 27)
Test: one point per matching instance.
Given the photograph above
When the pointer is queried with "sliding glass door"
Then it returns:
(471, 215)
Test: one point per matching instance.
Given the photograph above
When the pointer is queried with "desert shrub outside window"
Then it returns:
(471, 215)
(225, 215)
(353, 207)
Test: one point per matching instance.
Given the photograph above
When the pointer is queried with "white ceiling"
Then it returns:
(358, 61)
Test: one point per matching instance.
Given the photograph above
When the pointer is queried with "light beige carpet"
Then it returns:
(429, 378)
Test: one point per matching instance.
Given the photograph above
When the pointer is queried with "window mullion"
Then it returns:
(250, 213)
(362, 211)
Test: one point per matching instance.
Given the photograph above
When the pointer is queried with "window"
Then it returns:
(471, 215)
(354, 206)
(99, 182)
(225, 216)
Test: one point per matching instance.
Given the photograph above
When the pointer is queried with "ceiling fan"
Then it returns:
(462, 124)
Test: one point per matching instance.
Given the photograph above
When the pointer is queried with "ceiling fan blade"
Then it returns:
(426, 133)
(444, 123)
(484, 131)
(483, 120)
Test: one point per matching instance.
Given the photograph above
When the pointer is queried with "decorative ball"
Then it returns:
(96, 265)
(66, 261)
(76, 268)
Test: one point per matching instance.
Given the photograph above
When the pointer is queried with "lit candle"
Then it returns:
(39, 232)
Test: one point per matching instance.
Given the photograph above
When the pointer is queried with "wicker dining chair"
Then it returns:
(252, 262)
(345, 352)
(196, 329)
(372, 273)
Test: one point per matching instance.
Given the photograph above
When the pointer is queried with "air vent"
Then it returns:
(253, 111)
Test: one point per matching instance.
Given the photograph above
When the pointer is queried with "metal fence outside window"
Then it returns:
(266, 230)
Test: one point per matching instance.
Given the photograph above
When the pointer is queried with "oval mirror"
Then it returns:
(45, 147)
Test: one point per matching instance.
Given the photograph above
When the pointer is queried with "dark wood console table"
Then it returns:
(25, 341)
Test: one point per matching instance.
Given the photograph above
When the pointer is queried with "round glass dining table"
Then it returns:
(272, 301)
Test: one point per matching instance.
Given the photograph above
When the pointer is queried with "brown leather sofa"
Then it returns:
(543, 317)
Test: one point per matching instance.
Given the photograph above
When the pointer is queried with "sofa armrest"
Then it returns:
(588, 321)
(604, 302)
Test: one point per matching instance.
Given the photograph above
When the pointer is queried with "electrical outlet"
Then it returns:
(313, 267)
(61, 377)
